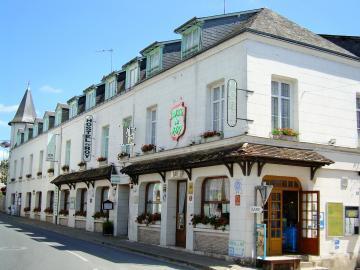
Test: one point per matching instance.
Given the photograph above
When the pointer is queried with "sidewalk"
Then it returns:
(168, 254)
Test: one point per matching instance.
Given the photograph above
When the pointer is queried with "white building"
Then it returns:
(208, 145)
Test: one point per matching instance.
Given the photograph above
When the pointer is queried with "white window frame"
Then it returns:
(58, 115)
(105, 141)
(151, 68)
(133, 76)
(67, 152)
(110, 88)
(281, 97)
(15, 169)
(90, 99)
(190, 41)
(41, 160)
(22, 167)
(221, 112)
(73, 109)
(35, 130)
(152, 125)
(31, 162)
(46, 123)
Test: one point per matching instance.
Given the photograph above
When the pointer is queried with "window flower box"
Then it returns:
(20, 177)
(123, 155)
(100, 215)
(148, 148)
(149, 219)
(102, 161)
(26, 209)
(49, 211)
(213, 223)
(28, 176)
(64, 212)
(65, 168)
(82, 165)
(80, 213)
(12, 179)
(50, 171)
(39, 175)
(211, 136)
(37, 210)
(286, 134)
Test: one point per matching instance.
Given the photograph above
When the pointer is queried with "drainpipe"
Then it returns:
(255, 227)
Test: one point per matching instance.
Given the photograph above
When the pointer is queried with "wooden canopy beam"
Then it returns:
(313, 171)
(242, 165)
(260, 166)
(230, 167)
(249, 165)
(188, 173)
(163, 175)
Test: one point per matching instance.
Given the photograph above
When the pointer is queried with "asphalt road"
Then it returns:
(25, 247)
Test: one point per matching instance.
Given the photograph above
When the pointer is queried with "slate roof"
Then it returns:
(350, 43)
(84, 176)
(234, 153)
(26, 110)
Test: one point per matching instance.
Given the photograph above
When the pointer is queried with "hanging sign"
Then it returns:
(51, 147)
(108, 205)
(87, 138)
(177, 120)
(256, 209)
(56, 200)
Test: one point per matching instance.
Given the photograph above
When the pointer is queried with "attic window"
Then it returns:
(90, 99)
(46, 123)
(190, 41)
(132, 74)
(58, 117)
(73, 109)
(110, 88)
(153, 62)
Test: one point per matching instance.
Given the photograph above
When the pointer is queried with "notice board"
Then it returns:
(335, 219)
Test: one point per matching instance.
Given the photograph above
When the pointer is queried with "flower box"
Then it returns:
(37, 210)
(50, 172)
(28, 176)
(64, 212)
(211, 136)
(26, 209)
(65, 168)
(100, 215)
(12, 179)
(102, 161)
(39, 175)
(148, 148)
(80, 213)
(82, 165)
(286, 134)
(123, 155)
(213, 222)
(49, 211)
(149, 219)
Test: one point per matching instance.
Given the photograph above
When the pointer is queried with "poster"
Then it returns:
(261, 240)
(236, 248)
(335, 219)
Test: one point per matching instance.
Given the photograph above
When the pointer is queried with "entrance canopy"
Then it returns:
(244, 154)
(86, 176)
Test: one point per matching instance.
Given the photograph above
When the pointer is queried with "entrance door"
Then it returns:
(309, 222)
(181, 214)
(273, 218)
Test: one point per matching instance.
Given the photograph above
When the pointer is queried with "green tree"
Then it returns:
(4, 170)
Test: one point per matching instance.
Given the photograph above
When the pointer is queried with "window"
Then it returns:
(15, 169)
(105, 142)
(153, 61)
(280, 105)
(190, 41)
(28, 202)
(216, 194)
(153, 199)
(21, 167)
(31, 160)
(41, 158)
(51, 200)
(358, 113)
(152, 118)
(217, 108)
(110, 89)
(351, 220)
(26, 135)
(67, 152)
(39, 195)
(83, 200)
(103, 196)
(66, 199)
(18, 138)
(126, 126)
(58, 117)
(133, 76)
(46, 123)
(72, 109)
(90, 99)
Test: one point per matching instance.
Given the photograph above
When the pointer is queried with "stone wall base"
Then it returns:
(98, 226)
(149, 235)
(80, 224)
(49, 219)
(211, 242)
(63, 221)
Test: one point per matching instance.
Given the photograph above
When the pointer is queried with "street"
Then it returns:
(27, 247)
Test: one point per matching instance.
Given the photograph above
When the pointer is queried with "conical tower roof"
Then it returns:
(26, 111)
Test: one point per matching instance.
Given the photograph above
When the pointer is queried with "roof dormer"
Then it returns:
(38, 127)
(73, 106)
(49, 120)
(110, 84)
(28, 132)
(132, 69)
(90, 94)
(61, 113)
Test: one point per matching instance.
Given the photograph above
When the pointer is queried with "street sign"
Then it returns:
(87, 138)
(256, 209)
(108, 205)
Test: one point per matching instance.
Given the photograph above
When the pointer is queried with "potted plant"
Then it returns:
(148, 148)
(3, 190)
(50, 171)
(287, 134)
(27, 209)
(147, 219)
(213, 222)
(39, 174)
(28, 176)
(20, 177)
(102, 161)
(37, 210)
(65, 168)
(49, 211)
(80, 213)
(12, 179)
(122, 155)
(64, 212)
(82, 165)
(108, 228)
(210, 136)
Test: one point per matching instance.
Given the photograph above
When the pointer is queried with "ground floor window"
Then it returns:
(83, 199)
(153, 200)
(103, 196)
(51, 200)
(66, 200)
(216, 194)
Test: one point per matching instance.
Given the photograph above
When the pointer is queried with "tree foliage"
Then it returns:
(4, 170)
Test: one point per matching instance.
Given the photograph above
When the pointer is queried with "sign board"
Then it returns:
(265, 191)
(261, 240)
(256, 209)
(237, 248)
(56, 200)
(190, 188)
(108, 205)
(177, 120)
(335, 219)
(51, 147)
(87, 138)
(237, 200)
(237, 186)
(232, 103)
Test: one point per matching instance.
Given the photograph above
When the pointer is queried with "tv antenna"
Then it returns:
(224, 5)
(111, 56)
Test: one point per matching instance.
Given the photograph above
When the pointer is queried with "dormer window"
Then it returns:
(90, 99)
(132, 76)
(58, 117)
(110, 88)
(153, 61)
(35, 130)
(73, 109)
(46, 123)
(190, 41)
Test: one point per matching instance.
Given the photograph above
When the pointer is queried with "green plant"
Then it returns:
(285, 132)
(148, 147)
(147, 218)
(214, 221)
(100, 159)
(39, 174)
(81, 163)
(108, 228)
(64, 212)
(209, 134)
(28, 175)
(65, 168)
(100, 214)
(48, 210)
(50, 170)
(37, 209)
(27, 209)
(80, 213)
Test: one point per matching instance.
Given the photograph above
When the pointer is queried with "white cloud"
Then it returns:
(3, 123)
(50, 89)
(8, 109)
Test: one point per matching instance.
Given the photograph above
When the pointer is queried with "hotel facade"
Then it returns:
(247, 119)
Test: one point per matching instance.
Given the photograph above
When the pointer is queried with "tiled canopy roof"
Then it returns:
(232, 154)
(87, 176)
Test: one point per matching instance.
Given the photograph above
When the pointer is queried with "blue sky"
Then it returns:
(53, 43)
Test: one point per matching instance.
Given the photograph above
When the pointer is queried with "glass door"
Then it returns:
(273, 221)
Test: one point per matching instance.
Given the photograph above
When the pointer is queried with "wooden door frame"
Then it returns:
(177, 210)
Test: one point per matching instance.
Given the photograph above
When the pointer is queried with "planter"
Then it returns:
(204, 226)
(82, 168)
(149, 152)
(102, 163)
(285, 138)
(212, 139)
